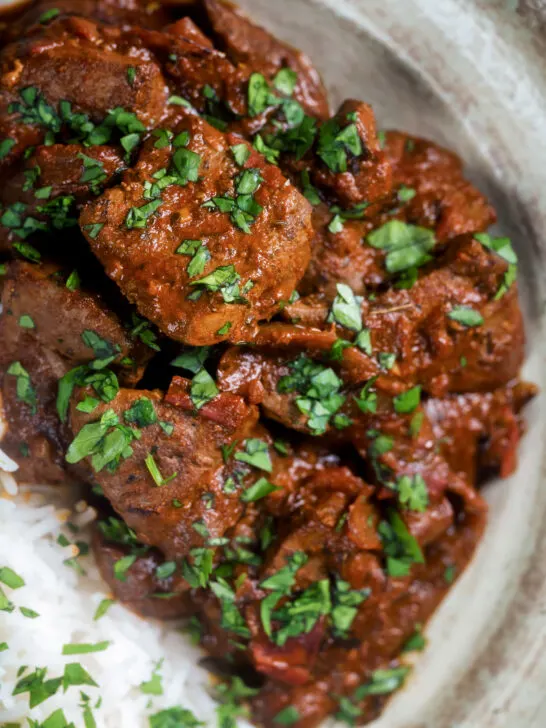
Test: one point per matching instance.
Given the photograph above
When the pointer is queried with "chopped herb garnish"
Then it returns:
(73, 281)
(131, 75)
(309, 191)
(408, 401)
(154, 685)
(23, 387)
(319, 388)
(346, 308)
(241, 154)
(122, 566)
(345, 606)
(10, 578)
(364, 341)
(137, 217)
(386, 360)
(466, 316)
(335, 143)
(367, 399)
(416, 423)
(30, 613)
(103, 607)
(6, 145)
(154, 471)
(167, 427)
(259, 490)
(192, 359)
(200, 256)
(224, 280)
(285, 81)
(450, 573)
(174, 718)
(260, 96)
(405, 194)
(401, 548)
(416, 643)
(93, 229)
(48, 15)
(412, 492)
(287, 716)
(141, 413)
(256, 453)
(203, 389)
(406, 246)
(84, 648)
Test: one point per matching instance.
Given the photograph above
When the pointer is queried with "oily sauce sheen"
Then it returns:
(277, 346)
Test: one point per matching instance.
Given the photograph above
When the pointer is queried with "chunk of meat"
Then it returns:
(61, 64)
(48, 330)
(430, 191)
(444, 200)
(142, 589)
(192, 505)
(368, 175)
(479, 432)
(45, 193)
(123, 12)
(244, 274)
(248, 44)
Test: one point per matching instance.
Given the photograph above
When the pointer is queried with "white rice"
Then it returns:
(66, 602)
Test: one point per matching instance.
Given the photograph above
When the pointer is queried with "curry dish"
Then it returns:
(276, 347)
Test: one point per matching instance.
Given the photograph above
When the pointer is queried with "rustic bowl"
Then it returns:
(469, 74)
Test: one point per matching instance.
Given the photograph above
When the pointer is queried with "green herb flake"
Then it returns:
(122, 566)
(26, 322)
(175, 717)
(73, 281)
(48, 15)
(450, 573)
(412, 492)
(346, 308)
(287, 716)
(29, 613)
(405, 194)
(241, 154)
(285, 81)
(256, 453)
(93, 229)
(24, 390)
(102, 608)
(154, 685)
(364, 341)
(74, 675)
(309, 191)
(260, 96)
(200, 256)
(261, 489)
(416, 643)
(6, 145)
(154, 471)
(131, 75)
(137, 217)
(408, 401)
(141, 413)
(400, 547)
(224, 280)
(466, 316)
(10, 578)
(203, 389)
(84, 648)
(406, 246)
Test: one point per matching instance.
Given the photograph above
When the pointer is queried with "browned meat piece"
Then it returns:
(365, 176)
(62, 64)
(205, 248)
(479, 433)
(124, 12)
(444, 200)
(47, 330)
(191, 504)
(248, 44)
(430, 192)
(45, 194)
(141, 587)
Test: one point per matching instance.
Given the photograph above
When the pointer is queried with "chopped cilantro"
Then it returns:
(259, 490)
(334, 144)
(319, 388)
(48, 15)
(224, 280)
(23, 387)
(137, 217)
(102, 608)
(6, 145)
(364, 341)
(401, 548)
(260, 96)
(203, 389)
(192, 359)
(405, 194)
(174, 718)
(154, 471)
(466, 316)
(122, 566)
(408, 401)
(10, 578)
(93, 229)
(367, 399)
(287, 716)
(346, 308)
(84, 648)
(256, 453)
(406, 246)
(241, 153)
(412, 492)
(141, 413)
(309, 191)
(285, 81)
(200, 256)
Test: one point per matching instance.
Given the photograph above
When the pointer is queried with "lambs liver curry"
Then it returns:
(277, 347)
